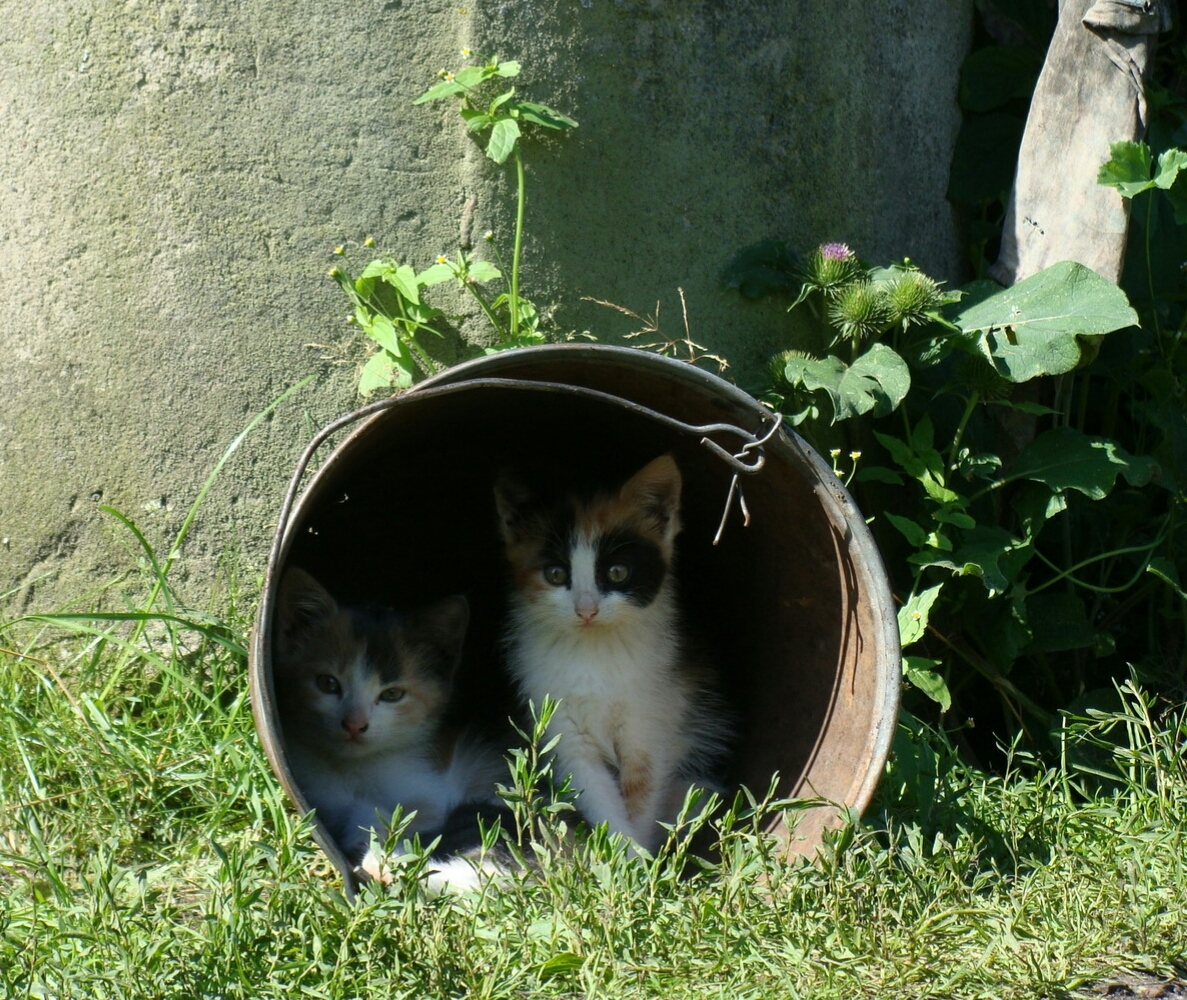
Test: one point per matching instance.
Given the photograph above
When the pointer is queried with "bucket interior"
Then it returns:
(791, 610)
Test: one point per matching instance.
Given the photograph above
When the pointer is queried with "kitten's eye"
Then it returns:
(558, 576)
(618, 573)
(328, 684)
(392, 694)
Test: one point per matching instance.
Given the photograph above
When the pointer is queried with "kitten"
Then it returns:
(361, 693)
(594, 623)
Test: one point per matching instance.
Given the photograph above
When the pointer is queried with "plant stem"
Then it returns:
(1067, 573)
(969, 406)
(1150, 273)
(513, 301)
(424, 357)
(502, 334)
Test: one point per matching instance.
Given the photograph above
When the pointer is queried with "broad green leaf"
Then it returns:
(979, 465)
(403, 279)
(937, 490)
(1127, 169)
(508, 68)
(1065, 458)
(917, 670)
(1024, 406)
(923, 435)
(381, 330)
(561, 964)
(912, 616)
(1177, 195)
(378, 373)
(446, 88)
(484, 270)
(954, 515)
(499, 101)
(502, 140)
(912, 532)
(877, 381)
(476, 121)
(902, 455)
(1030, 329)
(471, 76)
(377, 268)
(434, 275)
(1165, 570)
(1169, 165)
(992, 554)
(996, 74)
(1057, 622)
(542, 114)
(1035, 504)
(421, 313)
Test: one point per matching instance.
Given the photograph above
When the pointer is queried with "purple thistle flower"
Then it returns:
(836, 251)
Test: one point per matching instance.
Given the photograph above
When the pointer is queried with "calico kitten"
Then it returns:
(361, 693)
(594, 623)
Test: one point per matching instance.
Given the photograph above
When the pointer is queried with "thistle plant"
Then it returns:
(388, 305)
(986, 582)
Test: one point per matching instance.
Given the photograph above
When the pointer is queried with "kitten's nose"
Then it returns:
(354, 726)
(587, 614)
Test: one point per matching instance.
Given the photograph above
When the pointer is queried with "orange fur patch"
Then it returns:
(634, 781)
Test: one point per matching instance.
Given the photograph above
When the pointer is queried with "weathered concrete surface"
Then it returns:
(173, 176)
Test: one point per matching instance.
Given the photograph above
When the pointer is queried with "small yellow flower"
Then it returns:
(369, 241)
(351, 319)
(441, 259)
(466, 53)
(339, 250)
(449, 78)
(854, 455)
(334, 272)
(488, 236)
(835, 452)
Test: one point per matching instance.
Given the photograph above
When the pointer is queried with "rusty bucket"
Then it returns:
(797, 602)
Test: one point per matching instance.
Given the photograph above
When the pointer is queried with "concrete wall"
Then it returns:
(174, 175)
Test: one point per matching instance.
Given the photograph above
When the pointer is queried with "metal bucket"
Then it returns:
(797, 602)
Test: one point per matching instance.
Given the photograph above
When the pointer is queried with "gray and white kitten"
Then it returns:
(594, 623)
(362, 694)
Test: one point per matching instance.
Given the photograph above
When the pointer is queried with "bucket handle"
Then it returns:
(752, 443)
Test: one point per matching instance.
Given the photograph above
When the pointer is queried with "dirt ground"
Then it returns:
(1145, 987)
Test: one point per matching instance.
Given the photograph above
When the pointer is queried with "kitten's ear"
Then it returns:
(441, 627)
(302, 603)
(512, 499)
(655, 490)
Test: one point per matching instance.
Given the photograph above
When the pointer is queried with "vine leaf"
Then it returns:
(912, 616)
(1058, 622)
(877, 381)
(1066, 458)
(919, 671)
(1127, 169)
(543, 115)
(1031, 329)
(502, 139)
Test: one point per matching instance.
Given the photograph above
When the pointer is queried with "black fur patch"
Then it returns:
(560, 535)
(377, 627)
(642, 557)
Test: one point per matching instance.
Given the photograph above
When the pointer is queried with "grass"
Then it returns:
(146, 851)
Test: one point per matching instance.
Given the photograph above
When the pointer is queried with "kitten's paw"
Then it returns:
(374, 867)
(461, 875)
